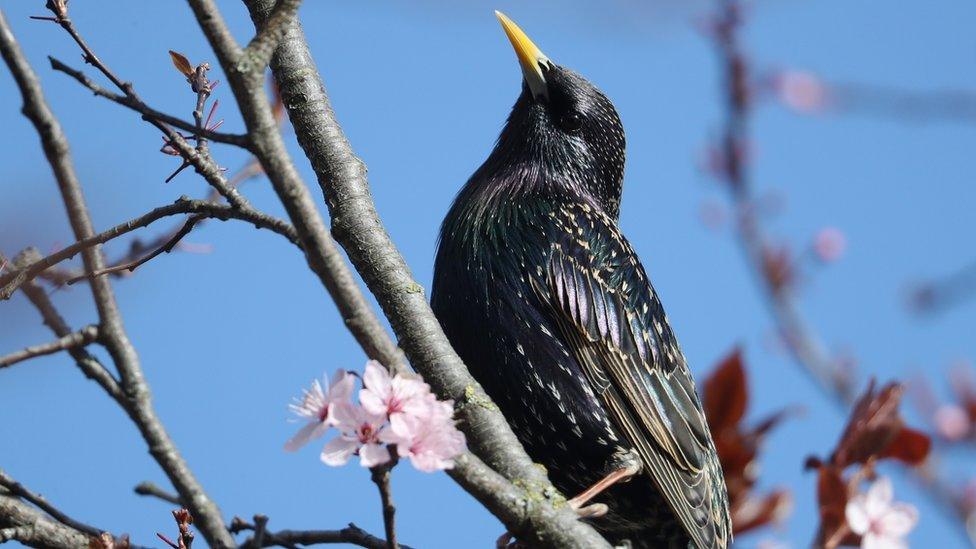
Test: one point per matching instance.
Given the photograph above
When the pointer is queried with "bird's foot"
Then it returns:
(594, 510)
(508, 541)
(624, 466)
(622, 474)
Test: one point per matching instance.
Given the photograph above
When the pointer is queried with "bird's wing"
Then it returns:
(610, 316)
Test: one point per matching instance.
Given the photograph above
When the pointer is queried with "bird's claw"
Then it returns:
(594, 510)
(508, 541)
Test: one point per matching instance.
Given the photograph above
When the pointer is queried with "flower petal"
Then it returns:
(346, 416)
(372, 402)
(857, 515)
(338, 451)
(878, 541)
(302, 437)
(341, 387)
(394, 435)
(879, 497)
(372, 455)
(899, 520)
(407, 388)
(312, 403)
(405, 426)
(429, 463)
(377, 380)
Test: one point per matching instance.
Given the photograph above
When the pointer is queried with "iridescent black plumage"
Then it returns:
(550, 308)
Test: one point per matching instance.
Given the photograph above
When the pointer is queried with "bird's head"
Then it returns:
(562, 129)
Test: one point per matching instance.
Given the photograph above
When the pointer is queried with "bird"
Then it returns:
(552, 311)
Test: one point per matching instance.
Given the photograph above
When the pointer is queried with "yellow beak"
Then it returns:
(529, 55)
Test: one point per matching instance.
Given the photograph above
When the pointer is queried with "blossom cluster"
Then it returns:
(399, 413)
(874, 432)
(881, 521)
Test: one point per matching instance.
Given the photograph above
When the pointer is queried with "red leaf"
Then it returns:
(832, 502)
(873, 425)
(754, 513)
(726, 394)
(763, 427)
(909, 446)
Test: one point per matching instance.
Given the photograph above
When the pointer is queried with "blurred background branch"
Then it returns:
(774, 268)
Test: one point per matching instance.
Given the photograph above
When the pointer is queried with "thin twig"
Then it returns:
(147, 488)
(136, 248)
(133, 265)
(939, 294)
(938, 105)
(351, 534)
(137, 401)
(130, 99)
(381, 477)
(11, 280)
(260, 530)
(88, 364)
(19, 490)
(80, 338)
(202, 163)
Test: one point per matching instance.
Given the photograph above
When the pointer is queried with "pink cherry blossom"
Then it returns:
(396, 410)
(317, 405)
(360, 432)
(772, 544)
(829, 244)
(969, 494)
(392, 396)
(430, 440)
(881, 522)
(802, 91)
(952, 422)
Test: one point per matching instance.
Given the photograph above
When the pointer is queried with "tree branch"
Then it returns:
(80, 338)
(199, 159)
(351, 534)
(131, 266)
(937, 295)
(138, 402)
(147, 112)
(88, 364)
(19, 490)
(358, 228)
(136, 247)
(15, 277)
(130, 99)
(323, 257)
(258, 52)
(147, 488)
(24, 523)
(802, 341)
(380, 476)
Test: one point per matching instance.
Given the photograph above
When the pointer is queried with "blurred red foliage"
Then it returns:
(726, 398)
(874, 431)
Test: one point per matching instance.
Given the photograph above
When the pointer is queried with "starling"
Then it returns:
(552, 311)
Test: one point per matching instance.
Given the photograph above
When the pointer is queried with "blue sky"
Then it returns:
(227, 338)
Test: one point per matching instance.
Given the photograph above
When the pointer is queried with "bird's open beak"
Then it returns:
(529, 55)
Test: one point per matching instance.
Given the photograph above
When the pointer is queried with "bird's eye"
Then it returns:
(571, 122)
